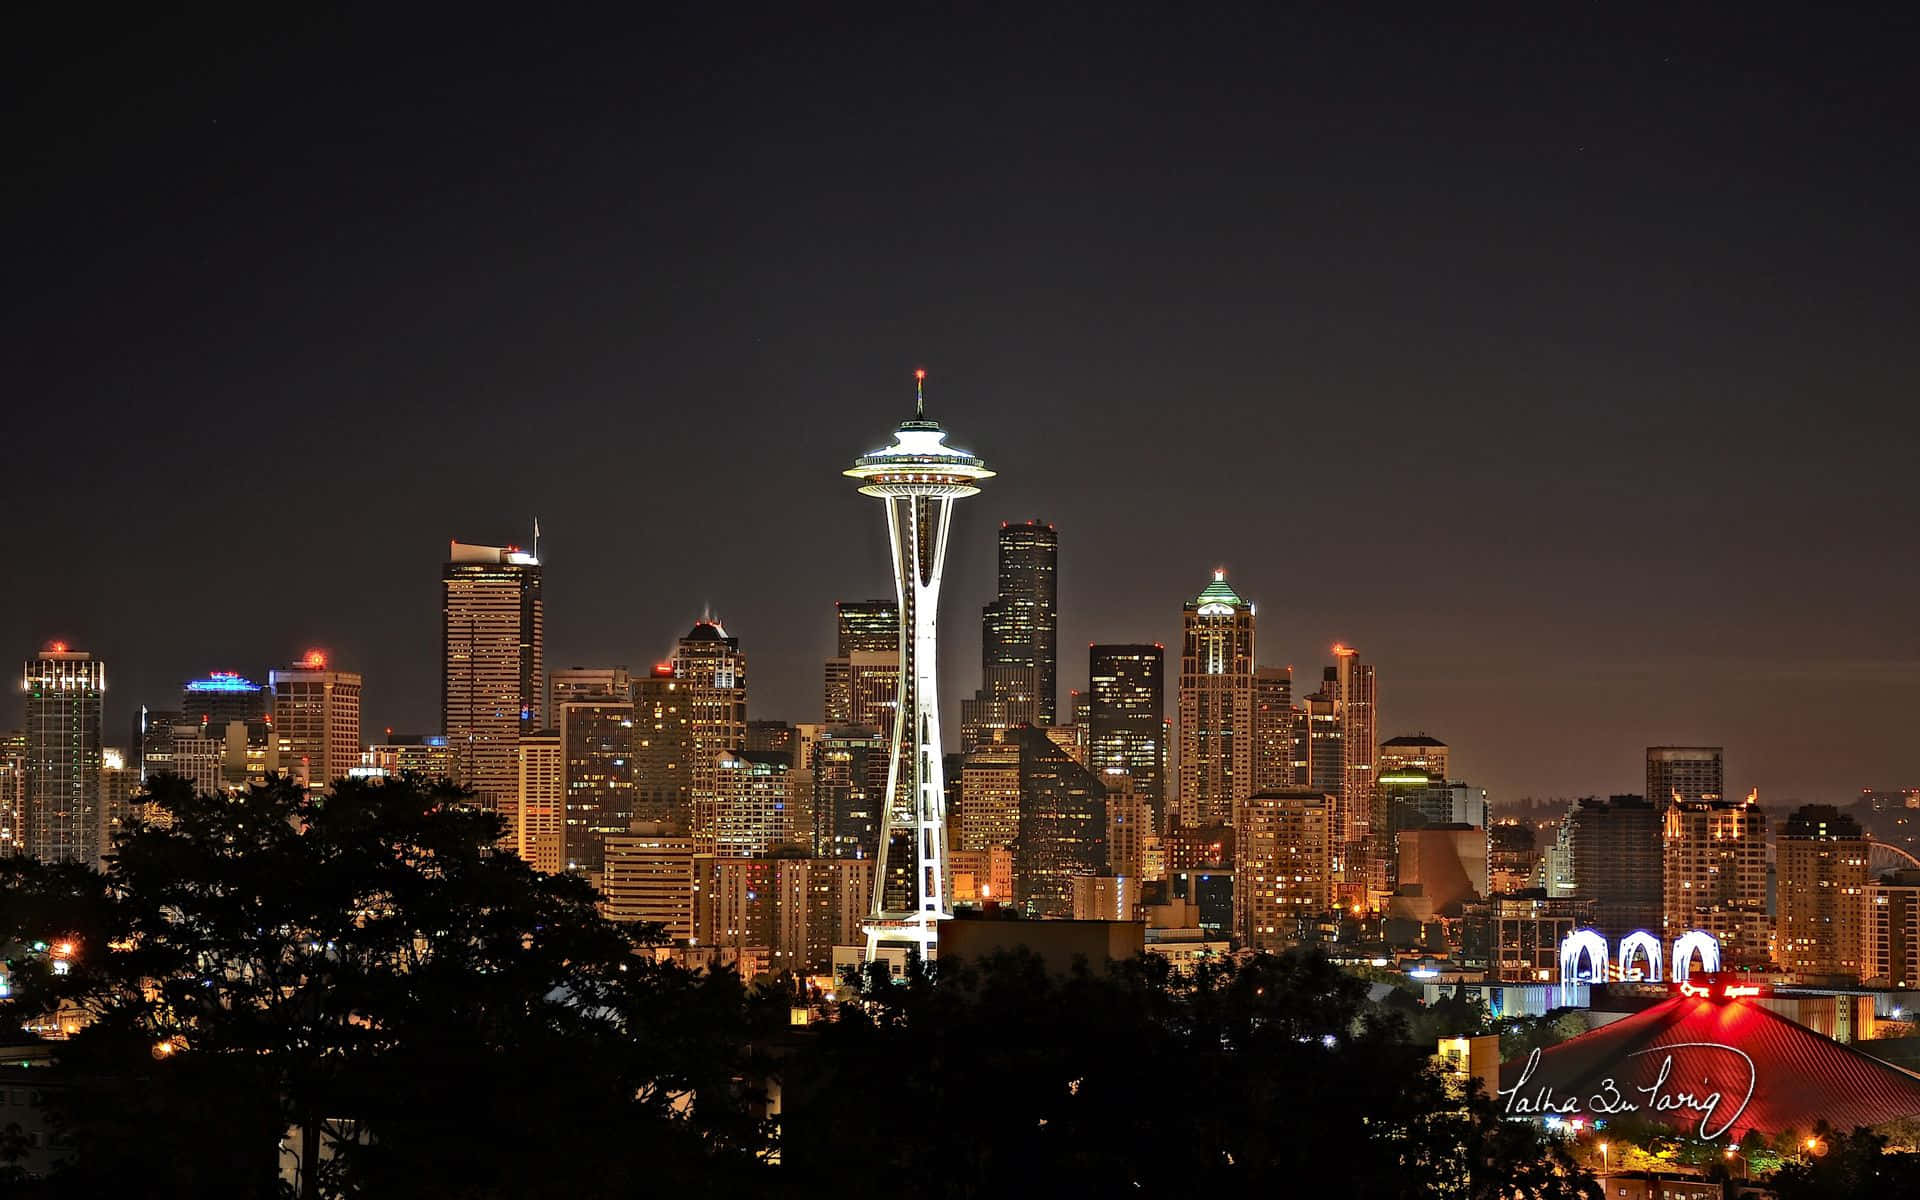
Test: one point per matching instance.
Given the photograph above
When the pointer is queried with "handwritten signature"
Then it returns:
(1662, 1095)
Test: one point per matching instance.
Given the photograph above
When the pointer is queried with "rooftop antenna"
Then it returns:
(920, 392)
(536, 539)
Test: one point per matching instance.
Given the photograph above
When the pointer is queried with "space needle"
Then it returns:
(918, 478)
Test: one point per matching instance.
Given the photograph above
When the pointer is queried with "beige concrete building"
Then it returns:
(1715, 877)
(1216, 704)
(1283, 864)
(1821, 893)
(316, 720)
(493, 630)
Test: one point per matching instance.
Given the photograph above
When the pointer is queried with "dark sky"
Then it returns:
(1565, 365)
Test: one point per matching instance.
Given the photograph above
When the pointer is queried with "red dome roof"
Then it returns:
(1712, 1068)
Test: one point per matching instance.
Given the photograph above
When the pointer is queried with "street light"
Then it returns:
(1746, 1166)
(1605, 1164)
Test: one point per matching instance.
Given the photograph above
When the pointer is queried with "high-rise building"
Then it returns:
(316, 720)
(152, 746)
(1019, 632)
(494, 668)
(221, 698)
(1519, 936)
(1358, 742)
(1063, 825)
(849, 781)
(424, 754)
(1685, 773)
(918, 477)
(872, 625)
(1216, 704)
(863, 678)
(65, 690)
(1272, 728)
(1130, 825)
(13, 793)
(1715, 876)
(597, 742)
(1324, 755)
(1416, 752)
(988, 811)
(650, 877)
(539, 807)
(1890, 950)
(1822, 892)
(1407, 800)
(662, 748)
(753, 804)
(586, 683)
(118, 787)
(770, 735)
(1126, 718)
(1614, 858)
(1283, 865)
(1513, 859)
(713, 687)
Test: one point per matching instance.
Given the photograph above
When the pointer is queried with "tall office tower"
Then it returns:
(1715, 876)
(1126, 721)
(863, 677)
(1283, 865)
(118, 786)
(988, 812)
(753, 804)
(424, 754)
(849, 779)
(1063, 825)
(65, 693)
(13, 793)
(1216, 704)
(597, 740)
(1324, 752)
(918, 478)
(713, 682)
(1685, 773)
(1513, 859)
(316, 720)
(587, 683)
(494, 670)
(662, 747)
(539, 805)
(739, 916)
(1359, 740)
(1272, 728)
(650, 877)
(199, 759)
(1822, 892)
(1613, 858)
(152, 746)
(222, 698)
(1129, 825)
(1416, 752)
(1890, 940)
(1019, 630)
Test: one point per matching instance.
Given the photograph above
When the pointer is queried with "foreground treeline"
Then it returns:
(361, 988)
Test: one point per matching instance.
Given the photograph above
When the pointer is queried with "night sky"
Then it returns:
(1567, 369)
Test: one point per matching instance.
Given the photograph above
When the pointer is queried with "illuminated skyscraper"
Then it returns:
(1283, 865)
(1416, 752)
(1715, 875)
(540, 801)
(1823, 881)
(222, 698)
(753, 806)
(1216, 704)
(494, 673)
(586, 683)
(1062, 824)
(1126, 718)
(918, 478)
(65, 693)
(1273, 721)
(597, 742)
(1324, 755)
(13, 793)
(1359, 741)
(1685, 773)
(316, 719)
(712, 674)
(1019, 636)
(661, 748)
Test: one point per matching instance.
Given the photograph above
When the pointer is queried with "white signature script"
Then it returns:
(1660, 1096)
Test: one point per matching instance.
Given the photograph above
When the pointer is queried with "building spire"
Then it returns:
(920, 392)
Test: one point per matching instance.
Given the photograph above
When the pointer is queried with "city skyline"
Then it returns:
(1649, 487)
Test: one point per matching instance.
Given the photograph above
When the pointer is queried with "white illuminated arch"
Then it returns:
(1581, 943)
(1684, 948)
(1649, 948)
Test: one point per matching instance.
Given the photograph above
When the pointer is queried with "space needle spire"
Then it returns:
(918, 478)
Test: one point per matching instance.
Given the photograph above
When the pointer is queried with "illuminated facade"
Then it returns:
(1126, 718)
(917, 478)
(1416, 752)
(1216, 704)
(753, 804)
(1614, 852)
(494, 671)
(65, 690)
(1715, 876)
(1324, 756)
(1685, 773)
(316, 720)
(1283, 865)
(586, 683)
(1821, 861)
(597, 744)
(1062, 825)
(539, 806)
(849, 778)
(650, 877)
(1273, 728)
(13, 793)
(662, 744)
(712, 675)
(1359, 734)
(863, 677)
(1019, 636)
